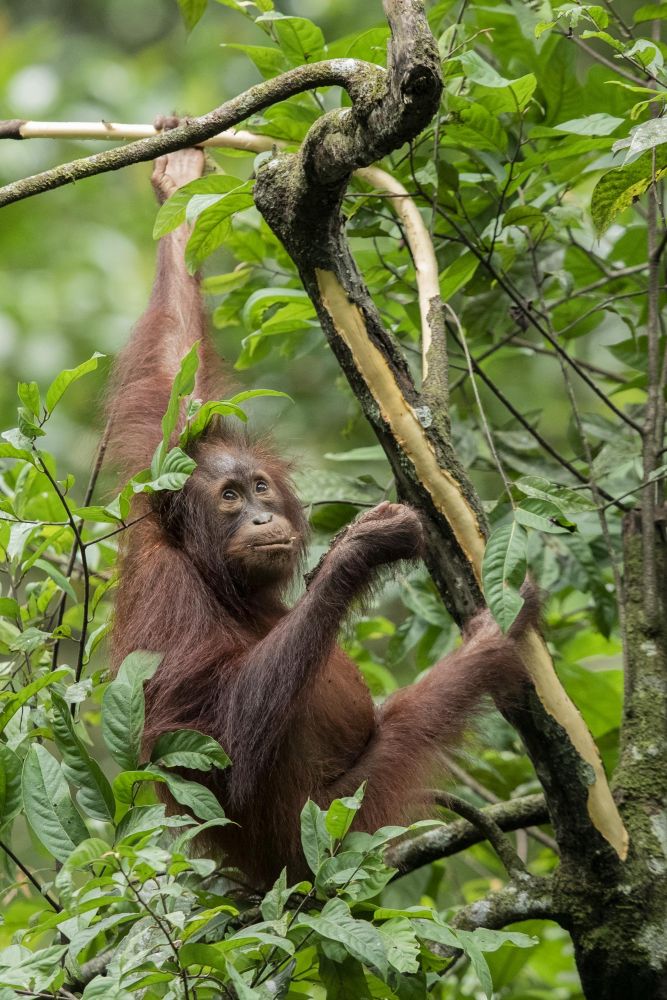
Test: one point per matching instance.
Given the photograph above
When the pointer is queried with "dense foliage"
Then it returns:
(533, 180)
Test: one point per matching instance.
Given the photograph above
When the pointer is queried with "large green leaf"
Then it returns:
(314, 835)
(48, 806)
(94, 793)
(195, 797)
(359, 938)
(10, 785)
(123, 708)
(191, 749)
(503, 572)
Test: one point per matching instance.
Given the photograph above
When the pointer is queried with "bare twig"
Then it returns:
(34, 881)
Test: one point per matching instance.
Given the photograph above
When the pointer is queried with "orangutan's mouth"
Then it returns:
(275, 545)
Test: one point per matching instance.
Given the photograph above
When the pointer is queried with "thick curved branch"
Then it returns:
(489, 829)
(515, 902)
(356, 77)
(444, 841)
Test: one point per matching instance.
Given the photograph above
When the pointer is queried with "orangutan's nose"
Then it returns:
(262, 518)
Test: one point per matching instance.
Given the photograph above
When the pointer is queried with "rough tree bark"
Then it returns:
(612, 901)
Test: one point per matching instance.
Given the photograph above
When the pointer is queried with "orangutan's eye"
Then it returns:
(230, 495)
(261, 486)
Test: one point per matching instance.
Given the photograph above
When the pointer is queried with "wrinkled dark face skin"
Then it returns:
(243, 518)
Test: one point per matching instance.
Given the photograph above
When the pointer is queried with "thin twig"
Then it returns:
(90, 489)
(34, 881)
(84, 565)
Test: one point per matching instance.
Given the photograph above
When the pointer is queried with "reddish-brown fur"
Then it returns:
(269, 683)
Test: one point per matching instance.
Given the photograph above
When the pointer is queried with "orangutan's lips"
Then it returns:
(276, 545)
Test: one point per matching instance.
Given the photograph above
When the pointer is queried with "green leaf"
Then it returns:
(650, 12)
(569, 501)
(192, 11)
(212, 223)
(63, 381)
(343, 980)
(473, 127)
(59, 578)
(189, 748)
(173, 212)
(175, 468)
(182, 385)
(9, 608)
(618, 189)
(123, 708)
(29, 395)
(340, 814)
(195, 797)
(203, 417)
(359, 938)
(543, 515)
(26, 693)
(503, 572)
(10, 785)
(299, 39)
(270, 62)
(597, 124)
(86, 852)
(314, 835)
(457, 275)
(401, 944)
(48, 806)
(94, 793)
(645, 136)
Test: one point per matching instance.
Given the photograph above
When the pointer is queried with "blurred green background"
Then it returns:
(77, 263)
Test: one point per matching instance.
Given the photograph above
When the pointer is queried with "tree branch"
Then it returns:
(445, 841)
(489, 829)
(516, 901)
(358, 78)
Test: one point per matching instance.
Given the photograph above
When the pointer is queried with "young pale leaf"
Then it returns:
(503, 572)
(48, 806)
(123, 708)
(94, 793)
(29, 396)
(63, 381)
(203, 417)
(212, 223)
(173, 212)
(340, 814)
(27, 692)
(189, 748)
